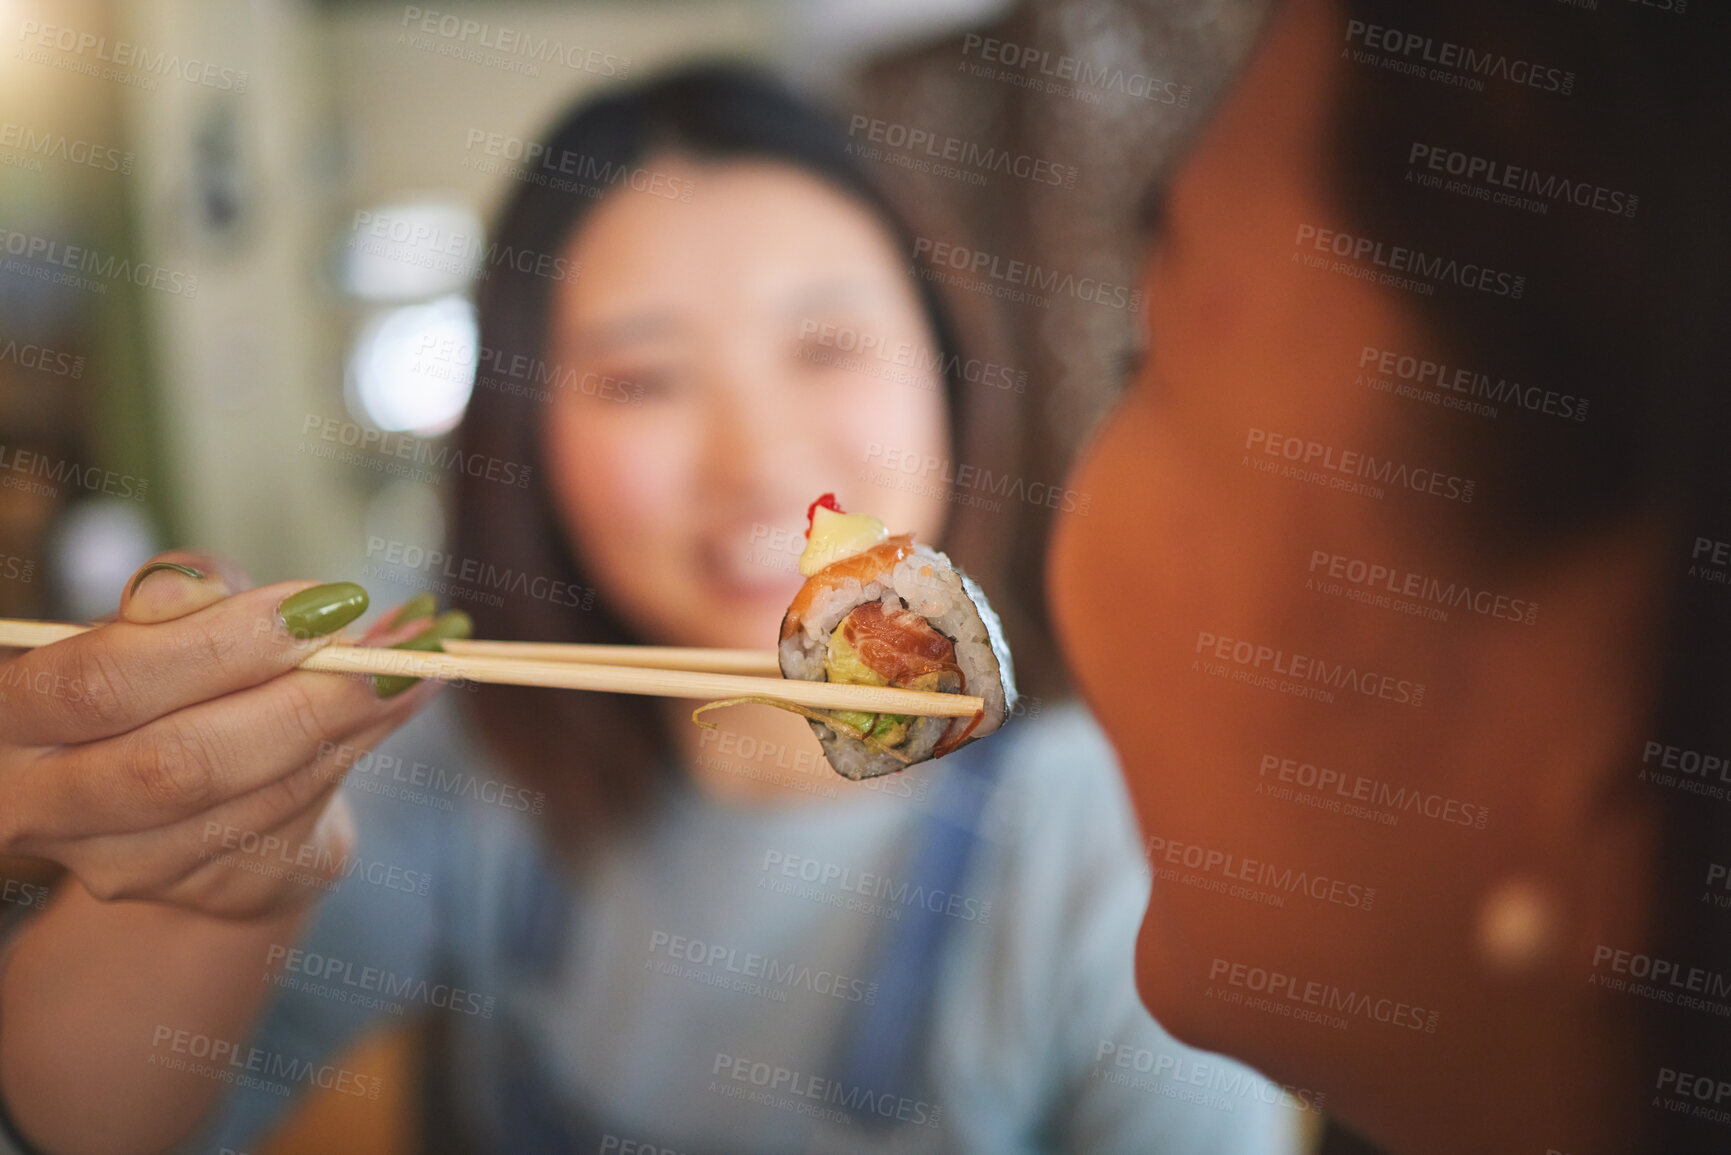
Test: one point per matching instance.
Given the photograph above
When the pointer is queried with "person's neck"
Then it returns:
(1534, 1070)
(754, 754)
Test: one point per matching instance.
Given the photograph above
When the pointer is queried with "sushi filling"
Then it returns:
(875, 646)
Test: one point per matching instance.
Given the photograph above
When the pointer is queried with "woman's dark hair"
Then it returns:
(1585, 149)
(597, 757)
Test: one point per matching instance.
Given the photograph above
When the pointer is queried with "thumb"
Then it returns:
(172, 585)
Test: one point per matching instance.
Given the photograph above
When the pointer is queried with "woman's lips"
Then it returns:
(744, 570)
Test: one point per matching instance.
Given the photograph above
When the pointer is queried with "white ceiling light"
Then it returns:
(413, 366)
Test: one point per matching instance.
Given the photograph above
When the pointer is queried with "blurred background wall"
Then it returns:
(178, 298)
(204, 283)
(231, 231)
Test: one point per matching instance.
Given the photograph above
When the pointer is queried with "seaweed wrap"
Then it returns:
(882, 610)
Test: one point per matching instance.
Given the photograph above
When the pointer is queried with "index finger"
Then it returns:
(121, 675)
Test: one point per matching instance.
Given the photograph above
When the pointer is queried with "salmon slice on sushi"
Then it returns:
(882, 610)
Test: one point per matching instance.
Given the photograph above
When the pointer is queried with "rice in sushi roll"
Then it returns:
(886, 611)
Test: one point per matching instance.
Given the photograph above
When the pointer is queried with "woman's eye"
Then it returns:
(818, 355)
(848, 345)
(650, 384)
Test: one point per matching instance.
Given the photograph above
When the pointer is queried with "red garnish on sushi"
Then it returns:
(829, 502)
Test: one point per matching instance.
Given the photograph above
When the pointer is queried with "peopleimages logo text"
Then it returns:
(124, 54)
(980, 158)
(1402, 259)
(980, 263)
(515, 43)
(1417, 48)
(83, 260)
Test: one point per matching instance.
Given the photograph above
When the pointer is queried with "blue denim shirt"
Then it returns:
(939, 964)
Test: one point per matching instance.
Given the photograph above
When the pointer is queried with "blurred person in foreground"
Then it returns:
(1404, 572)
(707, 943)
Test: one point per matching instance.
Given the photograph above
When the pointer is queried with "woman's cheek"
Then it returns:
(623, 483)
(633, 471)
(894, 445)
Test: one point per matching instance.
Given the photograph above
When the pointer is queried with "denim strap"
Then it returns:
(882, 1055)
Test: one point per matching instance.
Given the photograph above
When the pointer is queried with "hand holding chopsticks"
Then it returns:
(665, 672)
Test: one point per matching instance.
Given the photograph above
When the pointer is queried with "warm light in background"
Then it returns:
(95, 548)
(412, 367)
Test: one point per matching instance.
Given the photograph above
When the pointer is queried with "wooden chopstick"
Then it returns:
(761, 662)
(640, 680)
(17, 632)
(661, 683)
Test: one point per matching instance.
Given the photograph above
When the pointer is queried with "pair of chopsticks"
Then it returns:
(658, 671)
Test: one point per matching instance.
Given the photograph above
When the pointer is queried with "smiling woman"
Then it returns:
(691, 391)
(698, 939)
(698, 397)
(701, 309)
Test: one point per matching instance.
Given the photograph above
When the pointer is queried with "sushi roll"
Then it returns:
(878, 610)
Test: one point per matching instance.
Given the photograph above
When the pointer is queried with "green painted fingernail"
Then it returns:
(421, 605)
(453, 624)
(450, 624)
(320, 610)
(156, 566)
